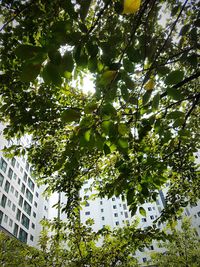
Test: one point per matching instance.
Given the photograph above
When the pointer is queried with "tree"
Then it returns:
(141, 126)
(181, 250)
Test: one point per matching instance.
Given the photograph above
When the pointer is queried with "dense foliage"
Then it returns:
(141, 126)
(182, 250)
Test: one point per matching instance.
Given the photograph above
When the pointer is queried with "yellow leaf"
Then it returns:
(131, 6)
(108, 76)
(149, 85)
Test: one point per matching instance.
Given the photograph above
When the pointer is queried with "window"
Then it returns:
(36, 194)
(23, 188)
(151, 248)
(23, 235)
(21, 169)
(116, 223)
(101, 210)
(29, 195)
(86, 197)
(103, 218)
(126, 214)
(27, 208)
(151, 217)
(9, 203)
(27, 166)
(120, 205)
(124, 206)
(3, 201)
(87, 204)
(101, 202)
(13, 162)
(115, 214)
(10, 222)
(10, 173)
(1, 179)
(12, 189)
(18, 215)
(87, 213)
(13, 207)
(20, 201)
(25, 177)
(35, 204)
(17, 164)
(19, 181)
(144, 259)
(149, 208)
(31, 238)
(15, 231)
(7, 186)
(25, 221)
(5, 218)
(33, 225)
(3, 165)
(16, 193)
(15, 176)
(144, 219)
(114, 207)
(34, 214)
(198, 213)
(1, 216)
(153, 208)
(31, 184)
(113, 199)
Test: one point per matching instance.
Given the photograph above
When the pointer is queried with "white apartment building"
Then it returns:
(114, 213)
(22, 205)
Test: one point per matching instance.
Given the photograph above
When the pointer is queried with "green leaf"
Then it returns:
(175, 114)
(155, 102)
(174, 77)
(55, 56)
(124, 92)
(108, 110)
(142, 211)
(123, 143)
(29, 72)
(123, 129)
(146, 97)
(128, 65)
(70, 115)
(26, 52)
(184, 29)
(106, 149)
(51, 74)
(85, 5)
(67, 63)
(174, 93)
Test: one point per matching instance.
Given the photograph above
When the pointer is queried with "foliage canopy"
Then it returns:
(141, 126)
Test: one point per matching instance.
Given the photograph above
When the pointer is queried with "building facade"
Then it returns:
(22, 205)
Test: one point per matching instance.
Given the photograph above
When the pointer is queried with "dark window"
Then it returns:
(114, 207)
(162, 197)
(113, 199)
(19, 181)
(23, 188)
(33, 225)
(27, 166)
(101, 210)
(1, 179)
(152, 217)
(15, 176)
(20, 201)
(10, 173)
(115, 214)
(3, 165)
(124, 206)
(25, 221)
(144, 219)
(35, 204)
(103, 218)
(126, 214)
(198, 213)
(3, 201)
(29, 195)
(151, 248)
(9, 203)
(34, 214)
(18, 214)
(149, 208)
(27, 208)
(1, 216)
(31, 184)
(7, 186)
(23, 235)
(36, 194)
(13, 162)
(12, 189)
(101, 202)
(15, 231)
(16, 193)
(13, 207)
(87, 213)
(144, 259)
(87, 204)
(25, 177)
(117, 223)
(31, 238)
